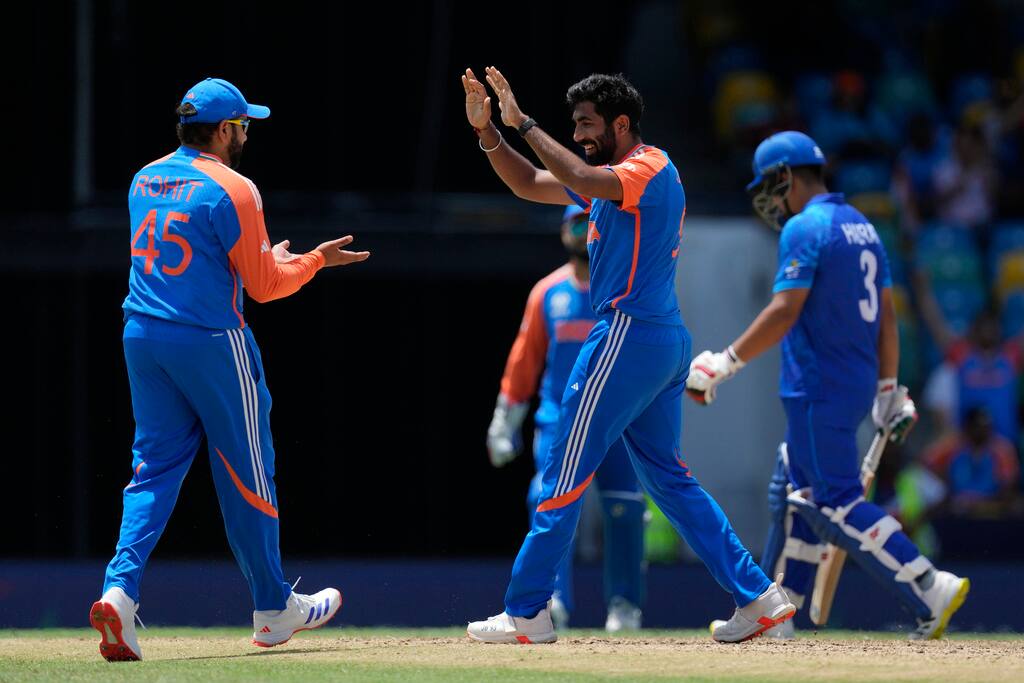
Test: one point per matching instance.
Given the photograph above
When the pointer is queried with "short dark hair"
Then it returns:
(612, 96)
(194, 134)
(813, 173)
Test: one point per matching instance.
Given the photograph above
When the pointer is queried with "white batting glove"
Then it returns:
(504, 441)
(893, 410)
(708, 370)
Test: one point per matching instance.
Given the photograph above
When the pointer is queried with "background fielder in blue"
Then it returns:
(832, 309)
(629, 378)
(557, 321)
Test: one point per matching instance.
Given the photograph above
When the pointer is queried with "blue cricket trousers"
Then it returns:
(622, 506)
(187, 381)
(627, 383)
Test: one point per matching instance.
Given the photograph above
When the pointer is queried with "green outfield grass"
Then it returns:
(391, 654)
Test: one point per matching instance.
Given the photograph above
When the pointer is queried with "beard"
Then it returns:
(234, 151)
(604, 149)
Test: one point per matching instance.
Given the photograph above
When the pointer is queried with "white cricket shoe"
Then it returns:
(559, 614)
(113, 616)
(503, 628)
(945, 597)
(300, 613)
(770, 609)
(622, 616)
(784, 631)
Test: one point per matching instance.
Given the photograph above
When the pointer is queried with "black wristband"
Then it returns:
(527, 125)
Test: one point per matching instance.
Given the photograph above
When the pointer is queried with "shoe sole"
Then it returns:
(304, 628)
(519, 640)
(955, 604)
(104, 618)
(765, 622)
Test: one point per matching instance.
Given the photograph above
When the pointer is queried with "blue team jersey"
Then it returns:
(634, 244)
(831, 353)
(557, 320)
(197, 239)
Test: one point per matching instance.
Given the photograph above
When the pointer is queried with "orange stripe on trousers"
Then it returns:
(250, 497)
(565, 498)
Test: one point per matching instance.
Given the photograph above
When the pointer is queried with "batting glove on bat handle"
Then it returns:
(708, 370)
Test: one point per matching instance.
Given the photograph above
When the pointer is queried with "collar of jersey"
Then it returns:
(628, 154)
(830, 197)
(191, 152)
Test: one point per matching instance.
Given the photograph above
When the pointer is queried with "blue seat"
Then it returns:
(967, 90)
(1006, 236)
(861, 176)
(936, 236)
(813, 94)
(1013, 314)
(960, 304)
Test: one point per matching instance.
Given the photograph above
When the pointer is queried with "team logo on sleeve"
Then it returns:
(792, 270)
(560, 302)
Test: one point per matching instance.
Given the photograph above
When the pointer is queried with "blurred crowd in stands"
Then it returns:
(936, 162)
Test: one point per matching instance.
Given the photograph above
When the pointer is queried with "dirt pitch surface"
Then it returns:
(446, 655)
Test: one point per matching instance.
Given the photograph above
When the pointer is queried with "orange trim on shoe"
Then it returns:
(105, 619)
(524, 640)
(250, 497)
(566, 498)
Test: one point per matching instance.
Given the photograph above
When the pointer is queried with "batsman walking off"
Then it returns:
(198, 241)
(628, 380)
(833, 311)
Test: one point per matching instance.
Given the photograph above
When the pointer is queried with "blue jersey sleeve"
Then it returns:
(799, 248)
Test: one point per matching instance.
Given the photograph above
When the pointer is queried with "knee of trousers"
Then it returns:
(867, 549)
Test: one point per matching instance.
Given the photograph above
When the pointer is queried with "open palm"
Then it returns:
(478, 104)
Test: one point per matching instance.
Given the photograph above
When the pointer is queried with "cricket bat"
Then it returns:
(831, 566)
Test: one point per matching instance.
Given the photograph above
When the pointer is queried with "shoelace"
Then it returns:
(139, 619)
(296, 583)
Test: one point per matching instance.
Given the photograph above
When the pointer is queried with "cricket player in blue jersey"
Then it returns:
(627, 383)
(557, 322)
(198, 239)
(832, 309)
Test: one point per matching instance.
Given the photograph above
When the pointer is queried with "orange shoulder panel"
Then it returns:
(263, 278)
(526, 359)
(635, 172)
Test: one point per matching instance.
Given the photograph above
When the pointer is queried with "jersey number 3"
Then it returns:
(869, 266)
(151, 253)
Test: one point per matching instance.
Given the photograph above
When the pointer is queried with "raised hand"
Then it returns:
(478, 104)
(511, 115)
(334, 255)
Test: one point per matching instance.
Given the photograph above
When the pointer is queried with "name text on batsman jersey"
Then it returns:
(831, 353)
(634, 244)
(557, 320)
(197, 239)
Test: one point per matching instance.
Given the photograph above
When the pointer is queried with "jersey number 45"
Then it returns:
(151, 253)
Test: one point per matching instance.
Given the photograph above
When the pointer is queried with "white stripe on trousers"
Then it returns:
(588, 403)
(254, 405)
(249, 401)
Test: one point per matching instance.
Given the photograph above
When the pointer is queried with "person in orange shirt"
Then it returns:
(198, 239)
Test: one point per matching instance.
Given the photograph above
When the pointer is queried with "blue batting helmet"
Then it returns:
(789, 148)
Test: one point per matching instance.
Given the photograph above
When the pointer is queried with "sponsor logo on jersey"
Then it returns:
(560, 303)
(792, 270)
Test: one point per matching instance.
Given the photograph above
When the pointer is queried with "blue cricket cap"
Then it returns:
(788, 148)
(217, 100)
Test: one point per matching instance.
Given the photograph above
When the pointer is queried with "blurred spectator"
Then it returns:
(911, 493)
(847, 129)
(979, 466)
(980, 370)
(914, 175)
(965, 182)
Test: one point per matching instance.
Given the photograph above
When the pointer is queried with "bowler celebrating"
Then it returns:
(628, 380)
